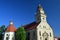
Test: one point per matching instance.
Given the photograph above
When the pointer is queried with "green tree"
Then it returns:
(20, 34)
(2, 29)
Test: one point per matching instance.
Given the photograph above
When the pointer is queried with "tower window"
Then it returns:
(43, 18)
(40, 33)
(7, 38)
(50, 34)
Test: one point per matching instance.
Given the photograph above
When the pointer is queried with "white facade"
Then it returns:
(9, 36)
(43, 31)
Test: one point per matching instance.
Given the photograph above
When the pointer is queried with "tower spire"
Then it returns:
(40, 16)
(40, 9)
(39, 5)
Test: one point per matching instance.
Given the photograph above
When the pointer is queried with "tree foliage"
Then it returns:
(20, 34)
(2, 29)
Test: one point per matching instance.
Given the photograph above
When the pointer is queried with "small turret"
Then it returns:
(10, 32)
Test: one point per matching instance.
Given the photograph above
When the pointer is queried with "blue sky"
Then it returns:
(22, 12)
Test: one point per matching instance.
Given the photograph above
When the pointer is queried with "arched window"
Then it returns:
(50, 34)
(43, 18)
(28, 36)
(7, 38)
(45, 38)
(34, 34)
(40, 33)
(40, 38)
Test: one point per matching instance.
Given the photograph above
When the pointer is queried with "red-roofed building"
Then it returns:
(10, 31)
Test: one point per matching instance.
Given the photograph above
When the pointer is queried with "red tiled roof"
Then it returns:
(31, 26)
(10, 28)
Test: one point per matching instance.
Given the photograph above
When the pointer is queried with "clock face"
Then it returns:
(41, 11)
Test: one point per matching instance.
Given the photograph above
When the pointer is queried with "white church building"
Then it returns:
(37, 30)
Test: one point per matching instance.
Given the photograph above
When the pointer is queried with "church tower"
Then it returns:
(39, 29)
(10, 32)
(40, 15)
(44, 30)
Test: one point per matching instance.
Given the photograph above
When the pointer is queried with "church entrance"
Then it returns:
(45, 38)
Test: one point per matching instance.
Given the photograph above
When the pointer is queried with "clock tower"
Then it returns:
(40, 15)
